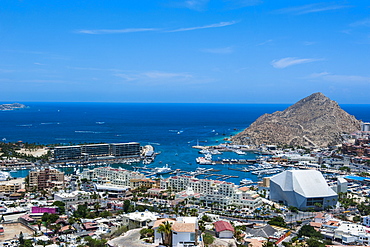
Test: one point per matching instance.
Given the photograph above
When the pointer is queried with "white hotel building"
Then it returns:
(214, 191)
(114, 176)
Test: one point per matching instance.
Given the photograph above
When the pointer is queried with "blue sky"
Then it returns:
(221, 51)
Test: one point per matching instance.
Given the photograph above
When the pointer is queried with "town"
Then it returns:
(318, 197)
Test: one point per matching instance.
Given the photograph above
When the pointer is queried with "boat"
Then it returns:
(239, 152)
(206, 160)
(215, 151)
(162, 170)
(4, 176)
(245, 181)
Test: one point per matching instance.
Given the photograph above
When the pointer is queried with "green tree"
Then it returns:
(95, 242)
(208, 239)
(309, 231)
(277, 221)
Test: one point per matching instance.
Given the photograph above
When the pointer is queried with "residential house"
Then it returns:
(224, 229)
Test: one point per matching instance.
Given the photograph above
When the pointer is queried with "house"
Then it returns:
(138, 219)
(184, 231)
(224, 229)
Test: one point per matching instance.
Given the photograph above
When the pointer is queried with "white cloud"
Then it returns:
(225, 50)
(153, 75)
(195, 4)
(114, 31)
(242, 3)
(311, 8)
(289, 61)
(365, 22)
(221, 24)
(265, 42)
(340, 78)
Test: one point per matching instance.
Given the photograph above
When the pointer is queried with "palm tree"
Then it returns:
(39, 223)
(165, 229)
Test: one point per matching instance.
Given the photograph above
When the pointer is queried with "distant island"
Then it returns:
(10, 107)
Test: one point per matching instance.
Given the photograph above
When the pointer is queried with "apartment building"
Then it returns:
(9, 187)
(46, 179)
(116, 176)
(214, 191)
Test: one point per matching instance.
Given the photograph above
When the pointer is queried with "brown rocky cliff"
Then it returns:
(313, 121)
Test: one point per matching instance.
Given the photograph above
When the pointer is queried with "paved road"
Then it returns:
(131, 238)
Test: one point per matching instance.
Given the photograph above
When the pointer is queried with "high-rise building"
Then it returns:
(46, 179)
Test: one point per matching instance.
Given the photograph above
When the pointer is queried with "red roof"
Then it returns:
(223, 226)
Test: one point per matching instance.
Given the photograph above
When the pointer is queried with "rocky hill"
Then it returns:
(9, 107)
(313, 121)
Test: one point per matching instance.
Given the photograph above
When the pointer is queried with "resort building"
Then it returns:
(131, 149)
(117, 150)
(67, 152)
(117, 176)
(46, 179)
(304, 189)
(96, 149)
(213, 191)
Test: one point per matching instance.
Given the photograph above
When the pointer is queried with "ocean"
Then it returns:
(172, 129)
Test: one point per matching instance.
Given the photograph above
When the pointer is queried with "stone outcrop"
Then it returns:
(9, 107)
(313, 121)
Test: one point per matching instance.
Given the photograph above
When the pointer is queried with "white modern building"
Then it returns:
(139, 219)
(351, 233)
(214, 191)
(303, 189)
(114, 176)
(77, 197)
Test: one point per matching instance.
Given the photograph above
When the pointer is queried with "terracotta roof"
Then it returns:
(160, 221)
(223, 226)
(332, 223)
(183, 227)
(315, 224)
(66, 228)
(244, 188)
(320, 216)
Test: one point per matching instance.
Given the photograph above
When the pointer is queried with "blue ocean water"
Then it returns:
(171, 128)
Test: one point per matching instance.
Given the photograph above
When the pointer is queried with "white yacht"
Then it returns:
(240, 152)
(162, 170)
(245, 181)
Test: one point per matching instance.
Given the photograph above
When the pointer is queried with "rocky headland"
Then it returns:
(313, 121)
(9, 107)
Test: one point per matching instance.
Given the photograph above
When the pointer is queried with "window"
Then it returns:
(311, 201)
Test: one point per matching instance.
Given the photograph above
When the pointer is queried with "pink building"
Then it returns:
(52, 210)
